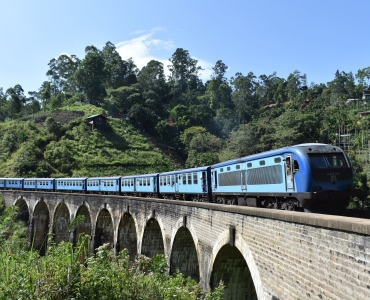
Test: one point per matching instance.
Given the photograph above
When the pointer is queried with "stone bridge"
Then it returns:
(257, 253)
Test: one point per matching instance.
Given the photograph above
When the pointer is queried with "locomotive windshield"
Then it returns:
(332, 160)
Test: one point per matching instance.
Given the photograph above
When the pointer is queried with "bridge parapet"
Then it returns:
(259, 253)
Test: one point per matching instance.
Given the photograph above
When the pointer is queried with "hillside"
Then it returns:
(59, 143)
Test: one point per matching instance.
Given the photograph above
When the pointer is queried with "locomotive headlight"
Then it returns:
(317, 188)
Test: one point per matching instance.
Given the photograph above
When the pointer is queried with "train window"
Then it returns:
(262, 162)
(47, 182)
(189, 178)
(249, 165)
(237, 167)
(295, 166)
(184, 178)
(317, 161)
(74, 183)
(144, 181)
(228, 168)
(277, 160)
(335, 160)
(222, 169)
(161, 180)
(149, 181)
(195, 177)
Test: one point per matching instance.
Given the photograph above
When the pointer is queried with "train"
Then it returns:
(311, 177)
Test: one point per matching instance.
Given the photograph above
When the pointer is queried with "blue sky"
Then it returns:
(314, 37)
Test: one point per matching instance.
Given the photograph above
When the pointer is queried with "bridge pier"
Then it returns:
(258, 253)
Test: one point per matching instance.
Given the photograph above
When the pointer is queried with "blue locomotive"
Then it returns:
(311, 177)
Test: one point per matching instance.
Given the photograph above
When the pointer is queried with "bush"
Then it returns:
(67, 272)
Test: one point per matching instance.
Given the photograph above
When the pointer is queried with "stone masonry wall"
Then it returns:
(290, 255)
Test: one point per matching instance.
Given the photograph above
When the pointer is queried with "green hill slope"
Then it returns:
(59, 143)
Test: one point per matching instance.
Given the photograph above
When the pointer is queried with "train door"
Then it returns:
(176, 183)
(154, 181)
(214, 180)
(243, 177)
(289, 173)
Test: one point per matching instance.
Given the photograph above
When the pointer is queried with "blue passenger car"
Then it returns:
(189, 184)
(146, 185)
(39, 184)
(70, 184)
(128, 186)
(11, 183)
(103, 184)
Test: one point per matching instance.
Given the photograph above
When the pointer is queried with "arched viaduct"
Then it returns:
(258, 253)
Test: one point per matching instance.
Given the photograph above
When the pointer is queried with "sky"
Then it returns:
(315, 37)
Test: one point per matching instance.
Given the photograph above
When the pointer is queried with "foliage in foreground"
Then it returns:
(67, 272)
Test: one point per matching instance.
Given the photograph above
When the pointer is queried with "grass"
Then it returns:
(30, 148)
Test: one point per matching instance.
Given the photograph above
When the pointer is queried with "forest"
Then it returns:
(43, 133)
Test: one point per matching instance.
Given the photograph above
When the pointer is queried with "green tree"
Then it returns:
(61, 71)
(45, 94)
(91, 74)
(295, 82)
(244, 95)
(203, 150)
(116, 69)
(15, 100)
(182, 69)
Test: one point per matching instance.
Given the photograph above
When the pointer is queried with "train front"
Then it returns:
(330, 182)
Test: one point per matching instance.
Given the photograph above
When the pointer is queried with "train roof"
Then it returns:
(39, 178)
(141, 175)
(71, 178)
(5, 178)
(104, 178)
(279, 151)
(198, 169)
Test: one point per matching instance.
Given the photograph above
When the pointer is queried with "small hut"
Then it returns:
(96, 121)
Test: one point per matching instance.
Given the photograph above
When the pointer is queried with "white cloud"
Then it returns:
(142, 49)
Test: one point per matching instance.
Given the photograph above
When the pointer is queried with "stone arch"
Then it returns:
(61, 222)
(184, 254)
(23, 210)
(152, 241)
(104, 232)
(127, 235)
(84, 227)
(40, 227)
(226, 262)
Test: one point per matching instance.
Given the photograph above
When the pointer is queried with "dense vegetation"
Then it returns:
(206, 122)
(67, 272)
